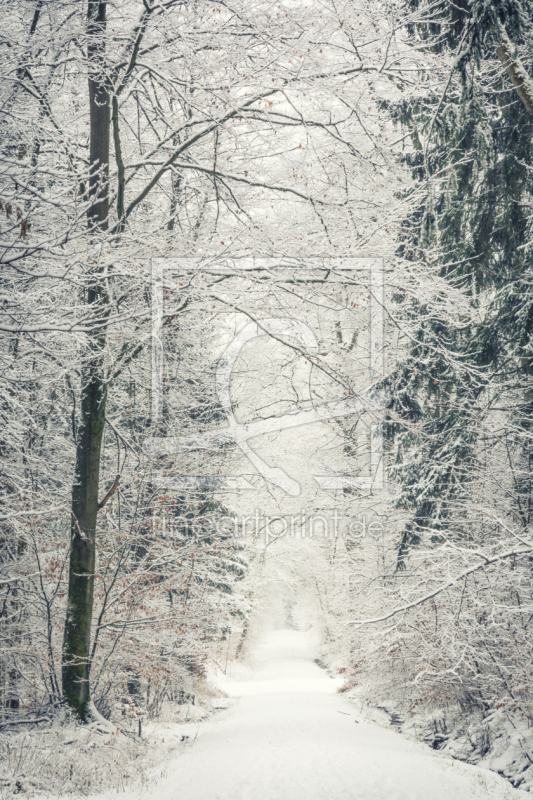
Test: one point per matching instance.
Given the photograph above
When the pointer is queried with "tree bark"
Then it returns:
(77, 638)
(516, 72)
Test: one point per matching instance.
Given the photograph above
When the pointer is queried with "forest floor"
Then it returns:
(291, 735)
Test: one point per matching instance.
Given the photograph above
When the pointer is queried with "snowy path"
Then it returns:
(291, 737)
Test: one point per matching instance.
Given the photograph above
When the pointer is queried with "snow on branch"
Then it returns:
(487, 561)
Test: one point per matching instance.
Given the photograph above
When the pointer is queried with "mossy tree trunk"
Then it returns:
(76, 649)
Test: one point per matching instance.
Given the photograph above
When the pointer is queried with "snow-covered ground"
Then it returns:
(290, 735)
(500, 740)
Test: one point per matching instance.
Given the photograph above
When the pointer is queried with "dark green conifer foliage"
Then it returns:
(472, 151)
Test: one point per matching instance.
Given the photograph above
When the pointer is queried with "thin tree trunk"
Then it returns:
(76, 650)
(516, 72)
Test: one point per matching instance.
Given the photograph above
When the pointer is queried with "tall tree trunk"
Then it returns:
(76, 649)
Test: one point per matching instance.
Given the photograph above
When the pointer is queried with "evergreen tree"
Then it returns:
(472, 153)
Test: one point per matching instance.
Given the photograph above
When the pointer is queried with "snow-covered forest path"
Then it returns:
(291, 736)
